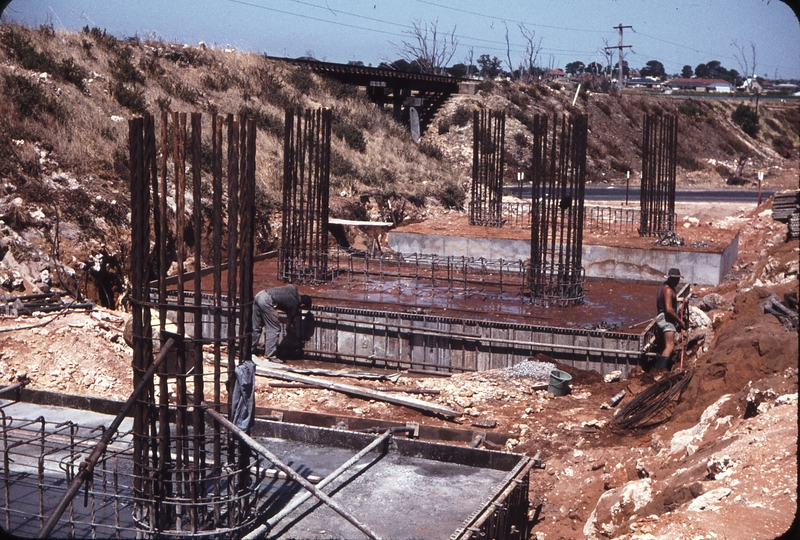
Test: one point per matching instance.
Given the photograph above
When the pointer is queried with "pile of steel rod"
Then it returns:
(653, 406)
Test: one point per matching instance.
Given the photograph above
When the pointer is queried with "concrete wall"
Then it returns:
(699, 267)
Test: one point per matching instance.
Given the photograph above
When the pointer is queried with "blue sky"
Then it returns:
(674, 32)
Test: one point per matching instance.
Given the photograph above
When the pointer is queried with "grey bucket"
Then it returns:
(559, 382)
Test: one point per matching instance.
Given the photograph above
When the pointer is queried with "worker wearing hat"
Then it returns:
(667, 320)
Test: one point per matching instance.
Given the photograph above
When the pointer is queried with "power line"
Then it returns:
(517, 48)
(485, 15)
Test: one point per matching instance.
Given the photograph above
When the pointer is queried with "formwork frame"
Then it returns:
(659, 171)
(488, 155)
(306, 180)
(558, 173)
(187, 480)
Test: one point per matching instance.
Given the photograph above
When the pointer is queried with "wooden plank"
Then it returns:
(366, 393)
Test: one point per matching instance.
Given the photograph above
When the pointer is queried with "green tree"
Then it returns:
(702, 71)
(654, 68)
(687, 72)
(594, 68)
(461, 70)
(575, 68)
(489, 66)
(746, 118)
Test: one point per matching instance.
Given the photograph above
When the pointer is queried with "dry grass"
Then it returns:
(83, 123)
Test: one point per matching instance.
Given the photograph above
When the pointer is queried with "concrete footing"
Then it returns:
(700, 266)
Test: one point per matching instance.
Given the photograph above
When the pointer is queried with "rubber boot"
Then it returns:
(662, 362)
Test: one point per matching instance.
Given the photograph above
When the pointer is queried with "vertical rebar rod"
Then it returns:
(217, 263)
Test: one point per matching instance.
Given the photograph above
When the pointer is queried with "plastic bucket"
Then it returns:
(559, 382)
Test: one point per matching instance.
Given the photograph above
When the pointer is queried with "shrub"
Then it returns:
(340, 90)
(341, 166)
(105, 40)
(130, 98)
(351, 135)
(71, 72)
(151, 66)
(123, 69)
(620, 166)
(462, 116)
(264, 121)
(26, 54)
(746, 118)
(519, 99)
(452, 196)
(444, 126)
(185, 93)
(29, 98)
(783, 145)
(302, 80)
(431, 150)
(486, 86)
(690, 108)
(218, 84)
(520, 139)
(689, 163)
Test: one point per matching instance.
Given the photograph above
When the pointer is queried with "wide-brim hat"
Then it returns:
(673, 273)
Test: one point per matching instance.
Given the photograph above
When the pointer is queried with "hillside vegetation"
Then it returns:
(65, 98)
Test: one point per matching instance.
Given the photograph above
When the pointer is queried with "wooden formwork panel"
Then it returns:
(450, 344)
(402, 340)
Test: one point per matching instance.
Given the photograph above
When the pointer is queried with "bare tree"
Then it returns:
(608, 52)
(508, 53)
(470, 60)
(741, 58)
(532, 49)
(428, 48)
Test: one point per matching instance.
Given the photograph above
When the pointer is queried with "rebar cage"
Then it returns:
(558, 172)
(488, 154)
(306, 178)
(189, 477)
(659, 171)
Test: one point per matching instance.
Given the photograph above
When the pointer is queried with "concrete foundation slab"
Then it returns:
(404, 488)
(701, 266)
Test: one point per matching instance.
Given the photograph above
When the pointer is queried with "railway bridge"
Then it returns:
(410, 94)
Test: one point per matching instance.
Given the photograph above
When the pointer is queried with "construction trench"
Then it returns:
(170, 463)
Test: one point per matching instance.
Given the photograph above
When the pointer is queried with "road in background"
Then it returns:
(617, 193)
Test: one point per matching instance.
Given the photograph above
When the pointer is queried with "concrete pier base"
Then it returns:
(700, 266)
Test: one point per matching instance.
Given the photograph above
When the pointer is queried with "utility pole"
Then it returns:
(620, 83)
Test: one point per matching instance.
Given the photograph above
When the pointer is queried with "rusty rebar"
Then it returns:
(488, 155)
(659, 170)
(303, 253)
(558, 172)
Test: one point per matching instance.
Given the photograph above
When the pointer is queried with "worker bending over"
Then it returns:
(265, 316)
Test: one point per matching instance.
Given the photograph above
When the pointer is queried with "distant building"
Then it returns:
(557, 75)
(701, 85)
(643, 82)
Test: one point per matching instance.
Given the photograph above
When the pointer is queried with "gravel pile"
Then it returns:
(530, 369)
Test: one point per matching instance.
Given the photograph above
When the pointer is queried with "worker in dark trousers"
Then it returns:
(265, 316)
(667, 320)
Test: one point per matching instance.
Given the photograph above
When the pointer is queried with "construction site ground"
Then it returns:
(711, 471)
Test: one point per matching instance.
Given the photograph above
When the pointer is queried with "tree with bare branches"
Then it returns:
(431, 50)
(532, 50)
(748, 68)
